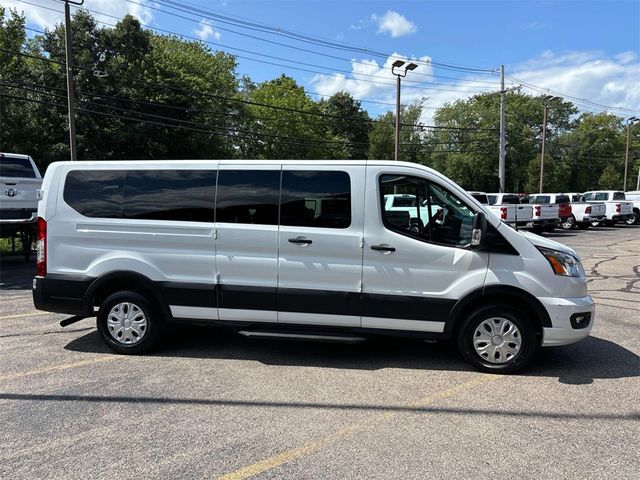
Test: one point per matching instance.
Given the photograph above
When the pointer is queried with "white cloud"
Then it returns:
(394, 24)
(46, 14)
(370, 80)
(590, 75)
(537, 26)
(206, 31)
(604, 79)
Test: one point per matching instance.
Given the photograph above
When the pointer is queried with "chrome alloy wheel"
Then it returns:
(127, 323)
(497, 340)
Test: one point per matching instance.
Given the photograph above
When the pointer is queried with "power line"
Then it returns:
(220, 97)
(417, 85)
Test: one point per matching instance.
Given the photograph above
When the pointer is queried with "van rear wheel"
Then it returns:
(497, 339)
(129, 323)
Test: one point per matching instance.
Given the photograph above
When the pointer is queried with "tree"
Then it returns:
(294, 129)
(466, 142)
(348, 122)
(382, 136)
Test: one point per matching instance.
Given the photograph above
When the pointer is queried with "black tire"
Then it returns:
(633, 220)
(609, 223)
(569, 223)
(149, 335)
(537, 229)
(549, 228)
(470, 327)
(583, 225)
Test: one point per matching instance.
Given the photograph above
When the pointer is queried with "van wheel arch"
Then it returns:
(494, 297)
(106, 285)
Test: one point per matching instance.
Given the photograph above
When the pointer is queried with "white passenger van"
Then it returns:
(302, 249)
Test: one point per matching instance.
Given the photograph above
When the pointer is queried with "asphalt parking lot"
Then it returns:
(212, 404)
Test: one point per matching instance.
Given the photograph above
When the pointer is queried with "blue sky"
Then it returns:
(588, 50)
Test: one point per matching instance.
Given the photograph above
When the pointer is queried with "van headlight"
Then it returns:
(563, 263)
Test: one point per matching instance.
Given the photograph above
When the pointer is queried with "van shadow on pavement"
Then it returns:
(577, 364)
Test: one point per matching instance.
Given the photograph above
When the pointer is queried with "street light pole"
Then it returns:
(630, 121)
(70, 93)
(402, 73)
(547, 99)
(502, 148)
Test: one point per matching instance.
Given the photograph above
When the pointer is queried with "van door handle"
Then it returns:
(383, 247)
(300, 241)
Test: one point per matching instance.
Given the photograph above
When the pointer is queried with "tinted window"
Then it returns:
(540, 199)
(484, 199)
(588, 196)
(16, 167)
(437, 216)
(562, 199)
(182, 195)
(404, 201)
(248, 196)
(316, 199)
(492, 199)
(601, 196)
(618, 196)
(511, 199)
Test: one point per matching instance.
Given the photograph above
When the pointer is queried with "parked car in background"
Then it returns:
(584, 213)
(618, 209)
(20, 181)
(507, 207)
(634, 198)
(546, 215)
(566, 220)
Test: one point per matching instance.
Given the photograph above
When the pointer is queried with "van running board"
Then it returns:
(302, 336)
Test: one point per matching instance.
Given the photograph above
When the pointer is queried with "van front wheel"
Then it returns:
(497, 339)
(129, 323)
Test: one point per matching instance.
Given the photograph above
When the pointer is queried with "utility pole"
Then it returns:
(630, 121)
(547, 99)
(402, 73)
(69, 64)
(503, 149)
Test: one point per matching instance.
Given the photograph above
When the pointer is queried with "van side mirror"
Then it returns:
(479, 233)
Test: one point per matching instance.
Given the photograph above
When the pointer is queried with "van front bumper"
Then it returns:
(571, 319)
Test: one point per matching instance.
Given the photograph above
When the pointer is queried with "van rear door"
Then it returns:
(320, 252)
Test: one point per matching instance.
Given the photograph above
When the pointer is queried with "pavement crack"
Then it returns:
(36, 334)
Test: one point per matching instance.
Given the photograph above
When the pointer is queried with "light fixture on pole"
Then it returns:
(546, 100)
(630, 121)
(402, 73)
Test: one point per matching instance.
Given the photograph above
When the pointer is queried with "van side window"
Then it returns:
(95, 193)
(181, 195)
(436, 214)
(248, 196)
(316, 199)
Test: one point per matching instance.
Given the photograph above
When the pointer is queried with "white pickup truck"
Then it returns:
(618, 209)
(507, 207)
(584, 213)
(546, 216)
(634, 197)
(19, 182)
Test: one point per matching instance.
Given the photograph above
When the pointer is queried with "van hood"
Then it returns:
(539, 241)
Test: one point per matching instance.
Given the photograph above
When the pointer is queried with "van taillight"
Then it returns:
(538, 208)
(503, 213)
(41, 248)
(588, 210)
(617, 208)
